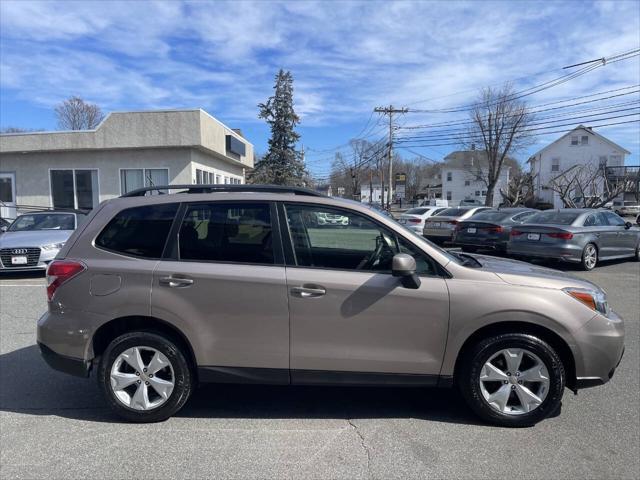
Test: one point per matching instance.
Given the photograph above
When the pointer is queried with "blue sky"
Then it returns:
(346, 58)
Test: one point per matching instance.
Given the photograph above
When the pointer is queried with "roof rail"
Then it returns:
(189, 188)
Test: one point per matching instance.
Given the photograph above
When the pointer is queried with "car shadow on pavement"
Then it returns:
(29, 386)
(21, 275)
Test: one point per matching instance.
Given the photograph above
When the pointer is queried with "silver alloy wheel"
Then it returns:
(590, 256)
(514, 381)
(142, 378)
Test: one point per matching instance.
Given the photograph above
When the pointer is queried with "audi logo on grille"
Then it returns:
(19, 251)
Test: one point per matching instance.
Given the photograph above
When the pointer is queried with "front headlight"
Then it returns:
(595, 300)
(52, 246)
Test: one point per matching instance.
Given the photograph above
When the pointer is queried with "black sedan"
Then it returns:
(490, 229)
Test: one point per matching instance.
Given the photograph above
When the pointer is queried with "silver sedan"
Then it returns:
(583, 236)
(34, 239)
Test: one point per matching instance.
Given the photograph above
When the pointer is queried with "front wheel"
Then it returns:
(589, 257)
(144, 377)
(512, 380)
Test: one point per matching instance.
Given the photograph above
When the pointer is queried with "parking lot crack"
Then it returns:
(364, 446)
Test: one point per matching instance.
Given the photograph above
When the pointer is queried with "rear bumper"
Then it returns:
(568, 252)
(73, 366)
(493, 244)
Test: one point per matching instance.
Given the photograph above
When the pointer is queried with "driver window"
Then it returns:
(327, 238)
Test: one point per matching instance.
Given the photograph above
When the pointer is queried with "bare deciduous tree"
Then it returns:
(519, 191)
(499, 122)
(76, 114)
(591, 185)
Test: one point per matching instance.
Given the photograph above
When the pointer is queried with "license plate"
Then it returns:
(533, 236)
(18, 260)
(471, 230)
(435, 225)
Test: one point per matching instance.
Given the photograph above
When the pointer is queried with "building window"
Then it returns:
(584, 140)
(484, 193)
(574, 140)
(602, 161)
(467, 183)
(74, 189)
(133, 178)
(449, 196)
(555, 164)
(198, 176)
(218, 179)
(449, 176)
(477, 193)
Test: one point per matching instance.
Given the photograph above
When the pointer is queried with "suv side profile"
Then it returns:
(155, 294)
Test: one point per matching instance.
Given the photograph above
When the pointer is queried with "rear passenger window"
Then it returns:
(229, 232)
(139, 231)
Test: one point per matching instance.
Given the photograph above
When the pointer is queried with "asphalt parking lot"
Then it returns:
(57, 426)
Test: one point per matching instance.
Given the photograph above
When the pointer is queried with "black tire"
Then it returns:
(637, 256)
(182, 376)
(473, 361)
(586, 266)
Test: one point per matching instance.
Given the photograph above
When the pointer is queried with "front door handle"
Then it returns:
(176, 282)
(308, 291)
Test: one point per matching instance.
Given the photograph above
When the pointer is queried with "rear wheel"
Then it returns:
(512, 380)
(144, 377)
(589, 257)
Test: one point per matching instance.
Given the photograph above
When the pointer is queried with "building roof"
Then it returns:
(588, 130)
(137, 129)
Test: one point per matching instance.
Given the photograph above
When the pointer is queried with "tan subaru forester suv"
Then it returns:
(154, 294)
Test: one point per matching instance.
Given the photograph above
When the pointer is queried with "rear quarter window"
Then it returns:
(139, 231)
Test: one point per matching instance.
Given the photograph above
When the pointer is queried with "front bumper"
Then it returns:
(599, 350)
(569, 252)
(45, 258)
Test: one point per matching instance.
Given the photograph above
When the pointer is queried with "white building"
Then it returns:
(372, 193)
(462, 174)
(582, 146)
(128, 150)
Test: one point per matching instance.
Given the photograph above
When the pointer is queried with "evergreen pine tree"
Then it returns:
(282, 164)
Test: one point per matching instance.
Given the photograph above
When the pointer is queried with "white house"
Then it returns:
(582, 146)
(463, 173)
(128, 150)
(372, 193)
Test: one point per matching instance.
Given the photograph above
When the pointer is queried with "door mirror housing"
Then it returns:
(404, 267)
(628, 225)
(3, 228)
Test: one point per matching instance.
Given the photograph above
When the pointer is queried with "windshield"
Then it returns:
(42, 221)
(452, 212)
(417, 211)
(553, 217)
(491, 216)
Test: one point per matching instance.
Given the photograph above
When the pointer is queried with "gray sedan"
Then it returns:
(34, 239)
(583, 236)
(490, 229)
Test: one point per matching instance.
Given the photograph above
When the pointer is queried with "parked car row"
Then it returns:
(584, 236)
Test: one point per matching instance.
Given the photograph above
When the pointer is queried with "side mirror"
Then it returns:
(3, 228)
(404, 267)
(628, 225)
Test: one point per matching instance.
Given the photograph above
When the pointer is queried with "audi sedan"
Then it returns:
(441, 227)
(414, 218)
(584, 236)
(490, 229)
(33, 240)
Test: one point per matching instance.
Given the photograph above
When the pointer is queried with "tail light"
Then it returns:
(496, 229)
(60, 271)
(414, 220)
(516, 233)
(562, 235)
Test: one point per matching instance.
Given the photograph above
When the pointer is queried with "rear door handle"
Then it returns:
(308, 291)
(175, 282)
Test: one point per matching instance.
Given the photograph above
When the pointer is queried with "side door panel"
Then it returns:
(234, 315)
(358, 318)
(222, 281)
(367, 322)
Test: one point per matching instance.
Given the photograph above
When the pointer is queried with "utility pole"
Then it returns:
(390, 110)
